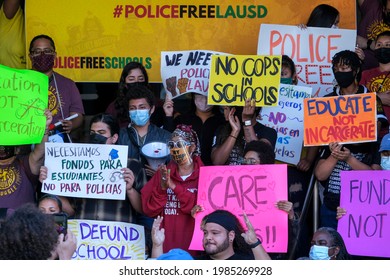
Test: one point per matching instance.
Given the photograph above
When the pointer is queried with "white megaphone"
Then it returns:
(155, 153)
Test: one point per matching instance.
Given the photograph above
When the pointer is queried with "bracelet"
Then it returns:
(254, 245)
(233, 136)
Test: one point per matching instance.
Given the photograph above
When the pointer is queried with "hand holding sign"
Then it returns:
(128, 176)
(249, 110)
(168, 106)
(339, 152)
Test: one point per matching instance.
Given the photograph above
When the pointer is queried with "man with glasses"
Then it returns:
(64, 96)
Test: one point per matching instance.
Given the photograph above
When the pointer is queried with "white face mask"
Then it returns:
(385, 162)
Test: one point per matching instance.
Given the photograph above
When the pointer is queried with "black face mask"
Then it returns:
(6, 152)
(344, 79)
(129, 85)
(383, 55)
(95, 138)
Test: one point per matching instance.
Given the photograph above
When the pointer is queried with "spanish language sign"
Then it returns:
(236, 78)
(23, 100)
(101, 240)
(311, 49)
(101, 37)
(287, 120)
(366, 197)
(253, 189)
(343, 119)
(85, 170)
(186, 71)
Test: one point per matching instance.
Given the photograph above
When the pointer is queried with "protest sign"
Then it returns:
(236, 78)
(186, 71)
(343, 119)
(101, 37)
(287, 120)
(253, 189)
(311, 49)
(101, 240)
(85, 170)
(23, 100)
(366, 197)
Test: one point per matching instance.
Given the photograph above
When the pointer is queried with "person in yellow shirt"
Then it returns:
(12, 35)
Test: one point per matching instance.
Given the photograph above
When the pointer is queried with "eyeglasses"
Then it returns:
(39, 52)
(249, 161)
(178, 144)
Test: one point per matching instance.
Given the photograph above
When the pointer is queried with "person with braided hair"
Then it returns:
(172, 192)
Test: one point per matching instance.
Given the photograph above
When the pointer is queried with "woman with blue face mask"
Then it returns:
(328, 244)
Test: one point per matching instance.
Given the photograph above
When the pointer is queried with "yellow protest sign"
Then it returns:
(343, 119)
(95, 39)
(23, 99)
(236, 78)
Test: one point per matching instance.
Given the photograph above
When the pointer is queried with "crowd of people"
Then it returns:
(205, 135)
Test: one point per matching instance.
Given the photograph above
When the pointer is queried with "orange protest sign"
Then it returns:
(343, 119)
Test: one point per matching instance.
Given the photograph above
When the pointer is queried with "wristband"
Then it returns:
(254, 245)
(233, 136)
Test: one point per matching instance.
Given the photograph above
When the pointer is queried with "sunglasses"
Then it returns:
(178, 144)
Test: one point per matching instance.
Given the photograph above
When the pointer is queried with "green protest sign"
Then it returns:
(23, 100)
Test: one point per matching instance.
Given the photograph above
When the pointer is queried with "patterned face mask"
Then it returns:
(43, 62)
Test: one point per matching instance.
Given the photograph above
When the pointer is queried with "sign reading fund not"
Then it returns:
(343, 119)
(234, 79)
(85, 170)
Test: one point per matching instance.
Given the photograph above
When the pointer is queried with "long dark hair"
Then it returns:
(322, 16)
(120, 102)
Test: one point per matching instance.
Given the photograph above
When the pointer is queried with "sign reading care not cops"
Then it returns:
(85, 170)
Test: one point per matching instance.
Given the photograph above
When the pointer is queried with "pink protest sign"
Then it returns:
(366, 226)
(252, 189)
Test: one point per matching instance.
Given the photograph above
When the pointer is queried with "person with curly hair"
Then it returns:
(29, 234)
(328, 244)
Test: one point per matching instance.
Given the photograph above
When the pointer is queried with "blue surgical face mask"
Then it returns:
(139, 117)
(385, 162)
(286, 81)
(319, 253)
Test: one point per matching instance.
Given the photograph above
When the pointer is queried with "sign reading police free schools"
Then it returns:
(85, 170)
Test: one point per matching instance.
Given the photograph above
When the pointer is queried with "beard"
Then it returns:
(215, 249)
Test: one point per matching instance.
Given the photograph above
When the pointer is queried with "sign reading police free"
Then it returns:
(23, 100)
(311, 49)
(85, 170)
(101, 240)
